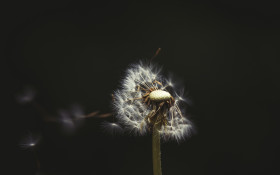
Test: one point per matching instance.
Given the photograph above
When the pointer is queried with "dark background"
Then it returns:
(226, 53)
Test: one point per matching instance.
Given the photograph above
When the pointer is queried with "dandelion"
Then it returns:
(149, 102)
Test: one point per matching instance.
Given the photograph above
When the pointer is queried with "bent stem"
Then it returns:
(156, 150)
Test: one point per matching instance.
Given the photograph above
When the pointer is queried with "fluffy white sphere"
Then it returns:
(131, 110)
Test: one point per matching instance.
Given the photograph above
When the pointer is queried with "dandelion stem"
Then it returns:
(156, 150)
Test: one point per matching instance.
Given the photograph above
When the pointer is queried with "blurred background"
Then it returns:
(226, 53)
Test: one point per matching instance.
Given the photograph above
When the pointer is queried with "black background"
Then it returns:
(226, 53)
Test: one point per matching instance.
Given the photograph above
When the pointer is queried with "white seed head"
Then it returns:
(159, 95)
(131, 111)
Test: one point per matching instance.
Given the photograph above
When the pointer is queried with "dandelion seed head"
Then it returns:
(144, 94)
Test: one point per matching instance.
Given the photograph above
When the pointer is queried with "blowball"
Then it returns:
(146, 99)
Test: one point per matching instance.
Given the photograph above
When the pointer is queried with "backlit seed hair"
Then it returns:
(30, 141)
(146, 99)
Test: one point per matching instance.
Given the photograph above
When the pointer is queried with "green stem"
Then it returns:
(156, 151)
